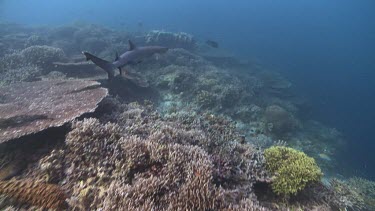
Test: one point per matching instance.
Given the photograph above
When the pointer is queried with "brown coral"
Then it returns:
(33, 193)
(281, 121)
(27, 108)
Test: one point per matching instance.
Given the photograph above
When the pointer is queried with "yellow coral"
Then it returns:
(292, 169)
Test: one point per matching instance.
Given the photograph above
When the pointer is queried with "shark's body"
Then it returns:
(133, 56)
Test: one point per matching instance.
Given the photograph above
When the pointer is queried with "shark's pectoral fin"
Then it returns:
(117, 57)
(120, 70)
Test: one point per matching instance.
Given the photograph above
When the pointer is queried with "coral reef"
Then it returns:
(46, 196)
(155, 164)
(365, 188)
(35, 40)
(170, 39)
(25, 73)
(293, 169)
(28, 108)
(93, 45)
(344, 197)
(43, 56)
(282, 121)
(203, 147)
(29, 63)
(206, 99)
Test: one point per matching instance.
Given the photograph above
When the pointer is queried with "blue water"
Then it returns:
(325, 47)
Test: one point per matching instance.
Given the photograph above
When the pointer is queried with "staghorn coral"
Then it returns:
(37, 194)
(293, 169)
(144, 162)
(126, 165)
(179, 179)
(28, 108)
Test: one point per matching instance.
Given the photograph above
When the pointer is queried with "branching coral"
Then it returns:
(136, 172)
(293, 169)
(365, 188)
(36, 194)
(145, 162)
(206, 99)
(344, 197)
(29, 63)
(42, 55)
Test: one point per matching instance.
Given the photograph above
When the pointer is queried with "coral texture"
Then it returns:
(144, 162)
(28, 108)
(293, 169)
(170, 39)
(36, 194)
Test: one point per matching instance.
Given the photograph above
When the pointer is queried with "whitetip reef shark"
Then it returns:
(134, 55)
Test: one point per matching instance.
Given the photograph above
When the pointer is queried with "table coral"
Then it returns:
(27, 108)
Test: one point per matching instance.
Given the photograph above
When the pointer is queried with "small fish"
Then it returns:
(134, 55)
(324, 157)
(212, 43)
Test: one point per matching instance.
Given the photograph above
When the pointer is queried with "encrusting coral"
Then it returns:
(292, 169)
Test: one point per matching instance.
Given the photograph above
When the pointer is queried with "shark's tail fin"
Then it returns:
(105, 65)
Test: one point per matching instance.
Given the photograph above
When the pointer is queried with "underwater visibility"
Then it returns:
(187, 105)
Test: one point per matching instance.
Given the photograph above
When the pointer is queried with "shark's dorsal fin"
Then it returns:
(116, 59)
(131, 45)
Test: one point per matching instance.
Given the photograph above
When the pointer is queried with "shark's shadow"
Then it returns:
(129, 91)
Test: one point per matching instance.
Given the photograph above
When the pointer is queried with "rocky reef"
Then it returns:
(189, 132)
